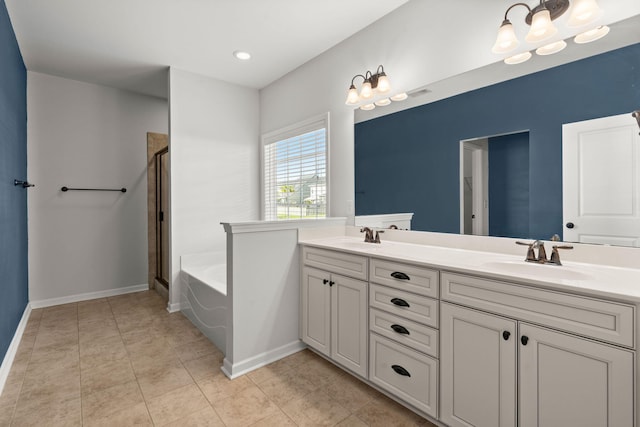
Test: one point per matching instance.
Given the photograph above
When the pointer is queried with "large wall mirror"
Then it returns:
(421, 160)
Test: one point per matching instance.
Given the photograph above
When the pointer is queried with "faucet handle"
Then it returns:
(531, 255)
(555, 255)
(377, 239)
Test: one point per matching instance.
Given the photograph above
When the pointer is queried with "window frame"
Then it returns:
(320, 121)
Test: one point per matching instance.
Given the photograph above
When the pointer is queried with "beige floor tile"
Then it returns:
(280, 419)
(351, 392)
(62, 413)
(352, 421)
(105, 376)
(177, 404)
(316, 408)
(319, 371)
(245, 408)
(286, 387)
(6, 414)
(50, 386)
(218, 386)
(97, 353)
(384, 412)
(136, 415)
(144, 364)
(206, 417)
(134, 322)
(197, 349)
(270, 371)
(110, 401)
(168, 377)
(48, 339)
(203, 367)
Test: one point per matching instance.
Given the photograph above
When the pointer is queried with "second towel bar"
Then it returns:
(123, 190)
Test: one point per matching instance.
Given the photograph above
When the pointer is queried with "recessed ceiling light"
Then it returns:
(244, 56)
(518, 59)
(399, 97)
(368, 107)
(592, 35)
(551, 48)
(383, 102)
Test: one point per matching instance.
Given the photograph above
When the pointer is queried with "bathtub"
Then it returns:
(204, 294)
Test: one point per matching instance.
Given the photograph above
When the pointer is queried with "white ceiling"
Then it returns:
(130, 43)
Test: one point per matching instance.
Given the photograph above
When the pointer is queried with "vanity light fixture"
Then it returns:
(540, 18)
(373, 84)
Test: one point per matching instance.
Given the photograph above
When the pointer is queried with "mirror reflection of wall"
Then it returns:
(409, 161)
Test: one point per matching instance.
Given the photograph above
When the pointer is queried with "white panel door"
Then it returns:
(478, 366)
(349, 330)
(316, 309)
(601, 181)
(572, 382)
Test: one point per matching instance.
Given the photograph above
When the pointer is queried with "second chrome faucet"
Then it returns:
(369, 236)
(541, 257)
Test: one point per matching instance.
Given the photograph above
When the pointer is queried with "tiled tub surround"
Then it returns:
(586, 312)
(125, 360)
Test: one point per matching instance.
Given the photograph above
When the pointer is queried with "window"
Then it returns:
(294, 163)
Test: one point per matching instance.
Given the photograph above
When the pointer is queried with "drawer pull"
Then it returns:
(400, 329)
(506, 335)
(399, 275)
(400, 302)
(400, 370)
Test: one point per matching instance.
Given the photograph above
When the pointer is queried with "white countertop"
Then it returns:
(617, 283)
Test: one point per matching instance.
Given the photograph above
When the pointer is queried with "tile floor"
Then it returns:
(126, 361)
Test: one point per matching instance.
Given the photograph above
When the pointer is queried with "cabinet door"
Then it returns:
(316, 305)
(569, 381)
(349, 329)
(478, 368)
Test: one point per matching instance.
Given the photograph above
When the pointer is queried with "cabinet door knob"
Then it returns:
(400, 276)
(399, 302)
(570, 225)
(506, 335)
(400, 370)
(325, 281)
(400, 329)
(331, 283)
(524, 339)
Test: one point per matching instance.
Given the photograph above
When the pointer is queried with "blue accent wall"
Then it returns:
(13, 200)
(409, 161)
(509, 185)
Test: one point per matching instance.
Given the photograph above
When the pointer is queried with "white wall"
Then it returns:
(85, 135)
(419, 43)
(214, 141)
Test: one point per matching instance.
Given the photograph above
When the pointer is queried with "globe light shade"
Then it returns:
(592, 35)
(352, 96)
(551, 48)
(366, 92)
(383, 83)
(541, 27)
(584, 12)
(506, 40)
(518, 59)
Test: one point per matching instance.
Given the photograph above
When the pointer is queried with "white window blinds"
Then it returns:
(295, 172)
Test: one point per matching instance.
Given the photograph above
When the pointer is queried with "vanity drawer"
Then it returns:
(336, 262)
(406, 373)
(405, 277)
(595, 318)
(411, 306)
(407, 332)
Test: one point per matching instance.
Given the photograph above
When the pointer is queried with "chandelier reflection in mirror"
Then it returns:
(373, 92)
(540, 19)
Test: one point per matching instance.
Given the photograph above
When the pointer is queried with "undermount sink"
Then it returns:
(546, 271)
(360, 245)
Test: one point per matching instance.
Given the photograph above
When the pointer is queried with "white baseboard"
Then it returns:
(88, 296)
(5, 368)
(172, 308)
(234, 370)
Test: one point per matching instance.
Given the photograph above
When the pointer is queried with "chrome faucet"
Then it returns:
(541, 258)
(368, 235)
(531, 253)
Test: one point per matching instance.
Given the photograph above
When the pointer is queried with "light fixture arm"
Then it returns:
(354, 79)
(517, 4)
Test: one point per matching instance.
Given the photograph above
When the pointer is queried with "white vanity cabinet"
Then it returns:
(500, 369)
(334, 307)
(404, 336)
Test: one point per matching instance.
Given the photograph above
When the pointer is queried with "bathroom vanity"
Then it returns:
(473, 338)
